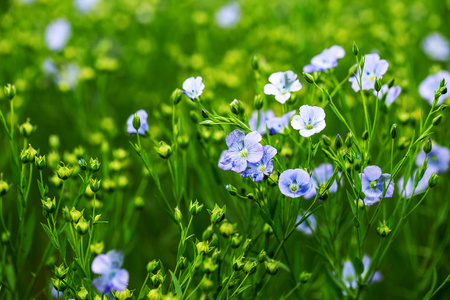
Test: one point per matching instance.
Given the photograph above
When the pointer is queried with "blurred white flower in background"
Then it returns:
(436, 46)
(57, 34)
(84, 6)
(228, 15)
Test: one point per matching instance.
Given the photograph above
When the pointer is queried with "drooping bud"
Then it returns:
(163, 150)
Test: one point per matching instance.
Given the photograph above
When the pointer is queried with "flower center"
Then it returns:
(261, 167)
(294, 187)
(374, 185)
(372, 77)
(243, 152)
(309, 124)
(434, 158)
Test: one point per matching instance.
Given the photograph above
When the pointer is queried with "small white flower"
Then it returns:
(193, 87)
(310, 121)
(281, 85)
(57, 34)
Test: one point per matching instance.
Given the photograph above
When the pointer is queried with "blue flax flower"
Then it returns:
(84, 6)
(242, 149)
(438, 159)
(390, 93)
(373, 182)
(279, 124)
(431, 84)
(281, 85)
(304, 227)
(325, 60)
(264, 167)
(113, 278)
(193, 87)
(374, 67)
(422, 185)
(349, 273)
(310, 121)
(436, 47)
(263, 117)
(228, 15)
(57, 34)
(144, 126)
(320, 176)
(294, 183)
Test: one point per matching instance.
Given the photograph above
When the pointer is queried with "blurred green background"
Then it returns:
(131, 55)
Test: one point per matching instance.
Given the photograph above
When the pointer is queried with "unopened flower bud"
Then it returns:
(154, 294)
(236, 107)
(205, 114)
(437, 120)
(152, 265)
(338, 142)
(10, 91)
(355, 49)
(323, 193)
(352, 70)
(250, 267)
(209, 265)
(4, 186)
(383, 229)
(214, 240)
(349, 140)
(326, 140)
(378, 84)
(59, 285)
(258, 102)
(261, 256)
(61, 271)
(82, 293)
(26, 129)
(202, 247)
(178, 215)
(365, 135)
(195, 208)
(82, 226)
(433, 180)
(236, 240)
(75, 215)
(255, 62)
(391, 83)
(247, 245)
(136, 122)
(49, 205)
(176, 96)
(267, 229)
(207, 234)
(95, 184)
(304, 277)
(427, 146)
(182, 263)
(231, 189)
(64, 172)
(123, 295)
(94, 165)
(40, 162)
(226, 229)
(238, 263)
(272, 266)
(217, 214)
(394, 131)
(27, 155)
(97, 248)
(308, 77)
(164, 150)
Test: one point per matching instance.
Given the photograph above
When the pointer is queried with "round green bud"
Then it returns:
(272, 266)
(176, 96)
(304, 277)
(261, 256)
(437, 120)
(236, 240)
(226, 229)
(152, 265)
(49, 205)
(26, 129)
(178, 215)
(40, 162)
(94, 165)
(236, 107)
(136, 122)
(61, 271)
(383, 230)
(250, 267)
(255, 62)
(433, 180)
(427, 146)
(258, 102)
(82, 226)
(207, 234)
(238, 264)
(82, 293)
(4, 187)
(9, 91)
(163, 150)
(64, 172)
